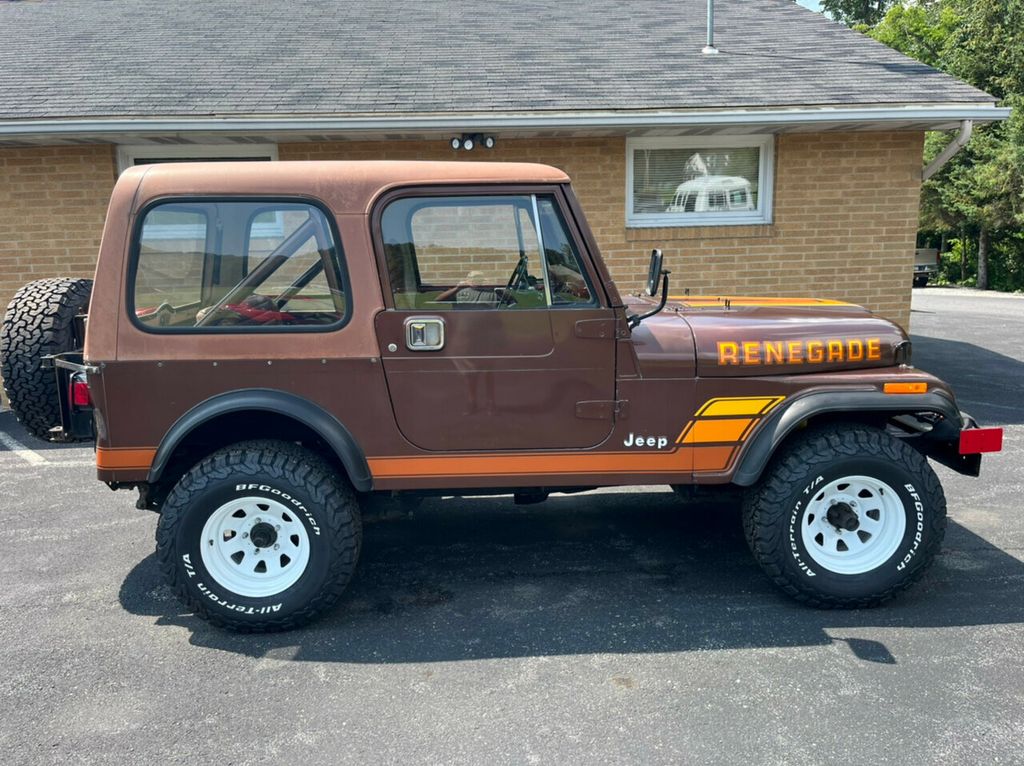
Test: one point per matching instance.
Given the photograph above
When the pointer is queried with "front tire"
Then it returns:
(847, 516)
(260, 536)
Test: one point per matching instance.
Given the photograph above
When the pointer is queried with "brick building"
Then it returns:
(787, 163)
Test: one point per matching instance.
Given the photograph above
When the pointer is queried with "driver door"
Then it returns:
(494, 337)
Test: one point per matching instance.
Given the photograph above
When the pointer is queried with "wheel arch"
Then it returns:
(289, 416)
(823, 406)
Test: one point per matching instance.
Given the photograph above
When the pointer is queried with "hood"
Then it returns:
(736, 337)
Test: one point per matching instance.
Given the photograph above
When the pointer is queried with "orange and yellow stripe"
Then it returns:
(708, 442)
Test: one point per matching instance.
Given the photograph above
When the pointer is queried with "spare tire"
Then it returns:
(40, 321)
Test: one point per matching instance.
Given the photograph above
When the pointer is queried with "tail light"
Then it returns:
(80, 396)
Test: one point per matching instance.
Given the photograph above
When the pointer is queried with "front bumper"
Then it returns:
(956, 446)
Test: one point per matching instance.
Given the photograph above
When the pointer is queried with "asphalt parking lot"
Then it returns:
(614, 627)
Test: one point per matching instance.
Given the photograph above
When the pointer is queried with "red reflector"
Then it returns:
(80, 394)
(977, 440)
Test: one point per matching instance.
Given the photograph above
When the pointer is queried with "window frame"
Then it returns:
(762, 214)
(555, 191)
(134, 252)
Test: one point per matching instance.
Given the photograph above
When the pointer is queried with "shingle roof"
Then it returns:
(83, 58)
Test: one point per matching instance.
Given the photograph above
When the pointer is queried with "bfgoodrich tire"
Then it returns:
(40, 321)
(847, 516)
(260, 536)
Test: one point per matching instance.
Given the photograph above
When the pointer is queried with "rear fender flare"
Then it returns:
(309, 414)
(759, 450)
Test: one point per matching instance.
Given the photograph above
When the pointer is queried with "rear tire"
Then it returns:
(260, 536)
(846, 516)
(40, 321)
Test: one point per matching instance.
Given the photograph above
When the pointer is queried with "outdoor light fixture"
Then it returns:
(469, 141)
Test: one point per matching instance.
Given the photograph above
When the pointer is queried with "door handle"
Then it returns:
(424, 333)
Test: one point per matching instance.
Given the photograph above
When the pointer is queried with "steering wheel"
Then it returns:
(515, 282)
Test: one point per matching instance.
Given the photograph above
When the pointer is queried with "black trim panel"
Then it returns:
(329, 428)
(777, 426)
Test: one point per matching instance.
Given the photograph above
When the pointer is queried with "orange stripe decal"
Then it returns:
(708, 442)
(738, 405)
(537, 463)
(705, 301)
(724, 430)
(124, 458)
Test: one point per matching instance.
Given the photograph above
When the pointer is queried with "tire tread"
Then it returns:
(274, 459)
(38, 322)
(766, 506)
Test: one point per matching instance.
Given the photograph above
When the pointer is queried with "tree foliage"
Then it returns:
(980, 193)
(856, 12)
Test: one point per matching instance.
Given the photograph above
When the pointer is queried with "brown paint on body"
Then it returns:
(515, 399)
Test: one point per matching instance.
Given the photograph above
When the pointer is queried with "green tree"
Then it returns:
(981, 191)
(854, 12)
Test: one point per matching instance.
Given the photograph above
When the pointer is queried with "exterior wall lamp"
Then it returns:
(470, 141)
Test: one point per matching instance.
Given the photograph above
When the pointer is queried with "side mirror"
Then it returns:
(654, 272)
(654, 276)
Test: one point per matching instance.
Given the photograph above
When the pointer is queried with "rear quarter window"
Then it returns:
(237, 266)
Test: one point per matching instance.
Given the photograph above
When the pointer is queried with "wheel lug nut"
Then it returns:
(245, 535)
(277, 527)
(276, 546)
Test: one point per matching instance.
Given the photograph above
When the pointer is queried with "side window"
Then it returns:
(478, 253)
(219, 266)
(569, 285)
(172, 251)
(454, 253)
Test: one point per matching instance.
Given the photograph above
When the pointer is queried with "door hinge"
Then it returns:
(602, 409)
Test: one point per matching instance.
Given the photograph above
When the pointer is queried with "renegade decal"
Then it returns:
(828, 351)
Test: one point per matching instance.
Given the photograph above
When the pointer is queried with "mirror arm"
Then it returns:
(636, 319)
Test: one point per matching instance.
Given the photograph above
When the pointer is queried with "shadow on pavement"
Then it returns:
(987, 384)
(610, 573)
(10, 425)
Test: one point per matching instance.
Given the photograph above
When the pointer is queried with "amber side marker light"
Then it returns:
(905, 388)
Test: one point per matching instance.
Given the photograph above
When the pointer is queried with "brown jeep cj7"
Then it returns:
(267, 346)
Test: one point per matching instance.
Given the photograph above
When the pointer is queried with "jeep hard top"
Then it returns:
(266, 347)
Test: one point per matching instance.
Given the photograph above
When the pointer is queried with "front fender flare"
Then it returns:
(779, 424)
(308, 413)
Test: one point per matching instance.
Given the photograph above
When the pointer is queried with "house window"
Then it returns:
(709, 181)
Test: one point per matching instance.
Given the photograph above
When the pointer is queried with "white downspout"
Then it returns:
(958, 143)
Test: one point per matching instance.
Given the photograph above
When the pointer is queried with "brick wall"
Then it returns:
(52, 204)
(844, 226)
(845, 214)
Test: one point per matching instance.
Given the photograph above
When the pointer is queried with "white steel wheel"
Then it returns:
(255, 547)
(853, 525)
